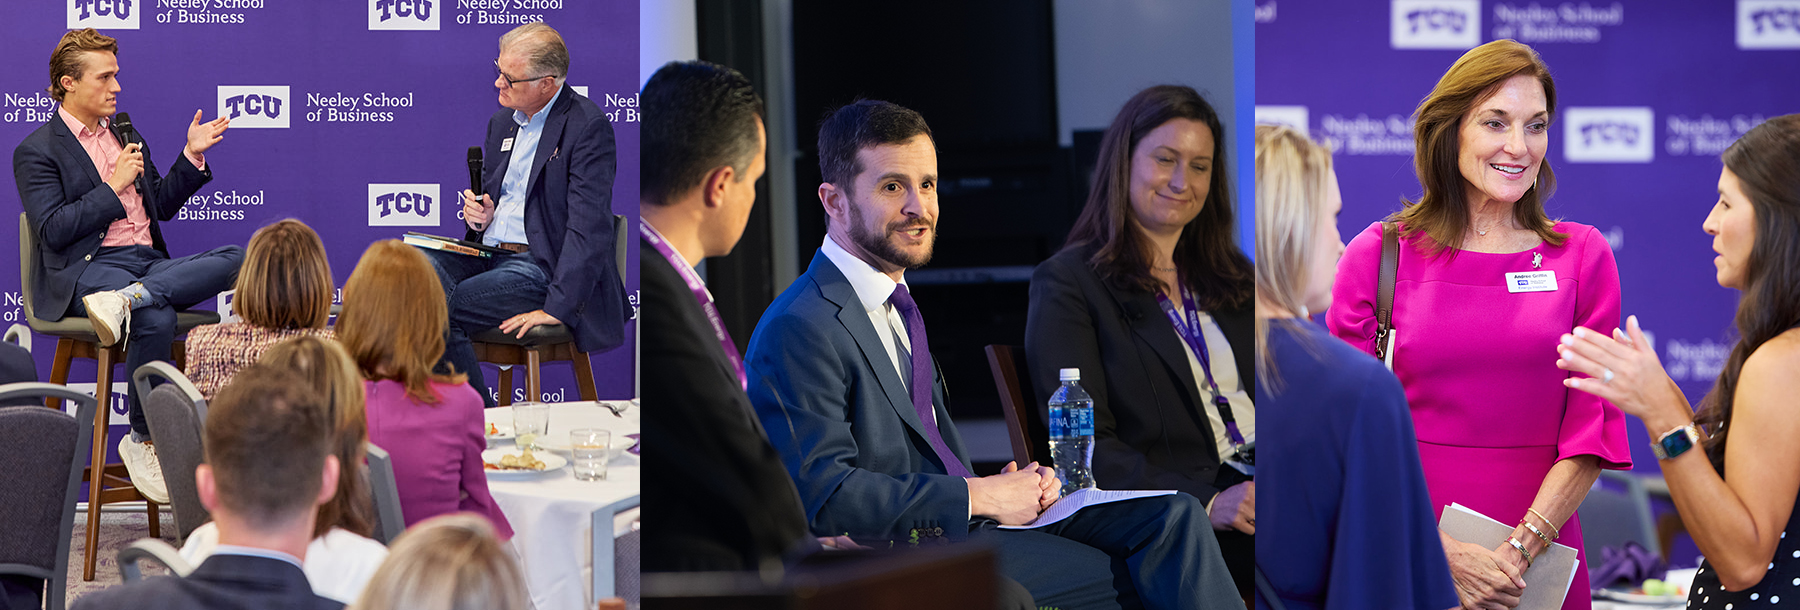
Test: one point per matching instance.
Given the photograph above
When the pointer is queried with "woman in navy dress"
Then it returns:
(1347, 521)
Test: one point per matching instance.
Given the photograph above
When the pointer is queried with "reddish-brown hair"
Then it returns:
(394, 318)
(285, 281)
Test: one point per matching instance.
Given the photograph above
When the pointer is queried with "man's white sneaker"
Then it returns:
(111, 314)
(145, 469)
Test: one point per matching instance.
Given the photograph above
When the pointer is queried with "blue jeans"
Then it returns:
(482, 293)
(174, 284)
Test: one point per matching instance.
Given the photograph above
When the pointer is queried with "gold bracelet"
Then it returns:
(1555, 532)
(1521, 546)
(1535, 530)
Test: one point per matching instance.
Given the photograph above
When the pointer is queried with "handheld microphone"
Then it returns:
(475, 175)
(123, 129)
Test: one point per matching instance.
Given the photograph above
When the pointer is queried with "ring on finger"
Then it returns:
(1606, 376)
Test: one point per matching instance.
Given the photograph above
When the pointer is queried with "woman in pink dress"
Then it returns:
(1486, 286)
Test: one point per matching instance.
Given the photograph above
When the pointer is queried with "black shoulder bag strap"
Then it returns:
(1384, 294)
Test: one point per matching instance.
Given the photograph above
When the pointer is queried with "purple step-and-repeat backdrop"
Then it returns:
(1649, 95)
(340, 108)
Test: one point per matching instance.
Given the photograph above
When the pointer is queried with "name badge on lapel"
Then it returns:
(1531, 281)
(506, 145)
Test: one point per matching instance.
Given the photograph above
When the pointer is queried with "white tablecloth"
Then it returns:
(552, 514)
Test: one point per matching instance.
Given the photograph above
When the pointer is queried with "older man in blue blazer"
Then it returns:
(841, 377)
(548, 171)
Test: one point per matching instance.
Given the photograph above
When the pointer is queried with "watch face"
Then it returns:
(1676, 444)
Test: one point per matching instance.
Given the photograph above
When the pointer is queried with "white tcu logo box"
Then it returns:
(1291, 116)
(1768, 24)
(255, 106)
(103, 14)
(1435, 24)
(1609, 135)
(404, 205)
(404, 14)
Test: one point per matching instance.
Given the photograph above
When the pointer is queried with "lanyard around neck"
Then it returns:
(1188, 327)
(701, 294)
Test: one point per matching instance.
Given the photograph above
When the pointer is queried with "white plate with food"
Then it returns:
(499, 432)
(513, 464)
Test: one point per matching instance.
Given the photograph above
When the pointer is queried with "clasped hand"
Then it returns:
(1016, 495)
(1485, 578)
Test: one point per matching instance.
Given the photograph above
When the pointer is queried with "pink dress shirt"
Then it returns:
(1478, 363)
(104, 150)
(436, 450)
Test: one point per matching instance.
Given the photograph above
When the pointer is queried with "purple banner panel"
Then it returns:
(1649, 94)
(352, 116)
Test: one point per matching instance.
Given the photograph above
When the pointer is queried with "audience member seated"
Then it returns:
(450, 562)
(268, 468)
(393, 326)
(341, 557)
(283, 291)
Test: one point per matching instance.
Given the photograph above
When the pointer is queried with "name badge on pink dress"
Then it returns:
(1531, 281)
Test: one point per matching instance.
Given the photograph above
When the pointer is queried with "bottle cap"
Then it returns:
(1070, 374)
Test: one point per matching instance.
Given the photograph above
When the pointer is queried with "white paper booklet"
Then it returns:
(1082, 498)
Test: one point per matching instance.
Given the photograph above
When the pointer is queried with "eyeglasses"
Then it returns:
(510, 81)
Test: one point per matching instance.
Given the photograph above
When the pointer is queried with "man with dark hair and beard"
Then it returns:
(841, 361)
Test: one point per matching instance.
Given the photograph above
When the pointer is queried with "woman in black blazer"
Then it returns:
(1150, 285)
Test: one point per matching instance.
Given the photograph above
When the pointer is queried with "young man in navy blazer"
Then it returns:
(268, 467)
(93, 200)
(872, 449)
(547, 173)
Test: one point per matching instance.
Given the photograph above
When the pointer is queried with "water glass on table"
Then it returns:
(588, 448)
(531, 421)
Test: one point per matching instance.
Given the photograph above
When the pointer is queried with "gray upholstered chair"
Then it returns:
(385, 492)
(154, 549)
(176, 414)
(75, 338)
(42, 455)
(547, 343)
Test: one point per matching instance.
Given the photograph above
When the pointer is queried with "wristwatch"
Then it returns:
(1676, 442)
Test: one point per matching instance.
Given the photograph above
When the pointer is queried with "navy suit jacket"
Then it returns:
(222, 582)
(843, 422)
(568, 215)
(69, 206)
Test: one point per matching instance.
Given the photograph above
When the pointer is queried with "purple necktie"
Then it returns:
(922, 379)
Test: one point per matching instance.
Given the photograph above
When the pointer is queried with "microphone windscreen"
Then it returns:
(474, 154)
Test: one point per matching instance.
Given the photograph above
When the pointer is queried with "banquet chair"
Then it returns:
(42, 453)
(1612, 518)
(546, 343)
(154, 549)
(1024, 426)
(615, 575)
(75, 338)
(175, 412)
(385, 492)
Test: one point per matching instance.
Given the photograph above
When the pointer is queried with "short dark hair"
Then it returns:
(266, 441)
(698, 116)
(863, 124)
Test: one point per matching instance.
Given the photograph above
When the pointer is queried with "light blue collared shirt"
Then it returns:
(509, 210)
(227, 549)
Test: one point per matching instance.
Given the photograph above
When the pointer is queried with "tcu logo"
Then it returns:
(103, 14)
(1768, 24)
(403, 205)
(403, 14)
(1435, 24)
(254, 107)
(1291, 116)
(1609, 135)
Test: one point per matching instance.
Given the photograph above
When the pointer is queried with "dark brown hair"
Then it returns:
(1207, 254)
(394, 318)
(1442, 212)
(324, 366)
(285, 281)
(70, 57)
(859, 125)
(266, 442)
(1767, 164)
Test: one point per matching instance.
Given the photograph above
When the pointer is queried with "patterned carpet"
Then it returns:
(117, 529)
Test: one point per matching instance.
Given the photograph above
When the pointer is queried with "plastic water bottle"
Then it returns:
(1072, 432)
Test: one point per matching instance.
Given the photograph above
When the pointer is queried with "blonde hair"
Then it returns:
(70, 57)
(451, 562)
(285, 281)
(327, 368)
(394, 319)
(1293, 177)
(1442, 212)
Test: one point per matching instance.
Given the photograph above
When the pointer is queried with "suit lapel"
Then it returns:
(1147, 320)
(551, 137)
(836, 289)
(73, 145)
